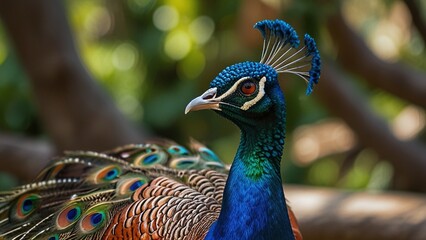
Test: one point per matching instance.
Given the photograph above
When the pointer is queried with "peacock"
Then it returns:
(163, 190)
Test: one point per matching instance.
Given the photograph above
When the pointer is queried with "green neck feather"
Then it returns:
(261, 147)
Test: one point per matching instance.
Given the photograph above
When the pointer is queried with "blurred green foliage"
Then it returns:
(18, 113)
(154, 56)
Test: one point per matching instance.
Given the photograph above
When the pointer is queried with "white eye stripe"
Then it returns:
(232, 89)
(259, 95)
(247, 105)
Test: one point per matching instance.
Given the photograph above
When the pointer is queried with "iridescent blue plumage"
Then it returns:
(315, 71)
(244, 69)
(280, 30)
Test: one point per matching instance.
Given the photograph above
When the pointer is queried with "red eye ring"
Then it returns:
(248, 87)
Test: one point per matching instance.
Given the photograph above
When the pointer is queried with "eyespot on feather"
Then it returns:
(107, 174)
(128, 186)
(94, 219)
(26, 205)
(149, 159)
(54, 237)
(178, 150)
(184, 163)
(208, 154)
(68, 216)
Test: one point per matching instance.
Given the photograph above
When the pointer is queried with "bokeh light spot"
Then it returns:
(177, 45)
(193, 65)
(124, 56)
(201, 29)
(165, 18)
(98, 22)
(129, 105)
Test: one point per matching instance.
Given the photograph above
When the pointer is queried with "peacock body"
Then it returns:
(162, 190)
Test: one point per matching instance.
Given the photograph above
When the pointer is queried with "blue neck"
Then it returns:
(253, 205)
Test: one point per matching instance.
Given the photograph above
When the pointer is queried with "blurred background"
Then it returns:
(70, 71)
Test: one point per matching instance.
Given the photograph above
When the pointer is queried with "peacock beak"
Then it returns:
(207, 100)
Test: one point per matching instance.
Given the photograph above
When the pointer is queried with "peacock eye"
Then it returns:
(248, 87)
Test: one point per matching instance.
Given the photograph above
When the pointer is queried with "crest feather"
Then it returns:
(281, 51)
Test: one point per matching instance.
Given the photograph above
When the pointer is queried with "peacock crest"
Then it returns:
(281, 51)
(163, 190)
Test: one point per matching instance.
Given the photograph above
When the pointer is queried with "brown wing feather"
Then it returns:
(167, 209)
(174, 203)
(294, 224)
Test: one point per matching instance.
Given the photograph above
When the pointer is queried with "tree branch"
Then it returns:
(75, 111)
(355, 56)
(23, 157)
(407, 157)
(329, 214)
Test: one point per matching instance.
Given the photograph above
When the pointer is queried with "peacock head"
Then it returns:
(248, 92)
